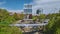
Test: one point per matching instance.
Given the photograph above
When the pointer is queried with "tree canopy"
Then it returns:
(5, 20)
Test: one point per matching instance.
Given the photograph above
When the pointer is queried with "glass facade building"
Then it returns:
(28, 11)
(39, 11)
(27, 8)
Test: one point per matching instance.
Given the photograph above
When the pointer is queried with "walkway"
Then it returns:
(41, 24)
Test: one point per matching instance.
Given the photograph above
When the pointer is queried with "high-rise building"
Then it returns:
(27, 8)
(39, 11)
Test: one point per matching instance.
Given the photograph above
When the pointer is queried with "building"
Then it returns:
(28, 11)
(39, 11)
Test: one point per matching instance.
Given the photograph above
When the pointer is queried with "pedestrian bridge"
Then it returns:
(34, 24)
(27, 25)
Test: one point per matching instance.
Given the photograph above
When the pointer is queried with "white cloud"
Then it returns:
(17, 11)
(1, 3)
(44, 1)
(47, 5)
(9, 10)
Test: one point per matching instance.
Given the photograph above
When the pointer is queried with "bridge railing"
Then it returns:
(42, 24)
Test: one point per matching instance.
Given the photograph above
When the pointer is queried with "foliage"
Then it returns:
(5, 20)
(54, 24)
(18, 16)
(10, 30)
(42, 16)
(34, 18)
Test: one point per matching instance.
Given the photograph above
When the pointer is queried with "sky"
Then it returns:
(14, 5)
(48, 6)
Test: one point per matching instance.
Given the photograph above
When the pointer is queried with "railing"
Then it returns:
(41, 24)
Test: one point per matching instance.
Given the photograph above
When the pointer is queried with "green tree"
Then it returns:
(10, 30)
(5, 20)
(54, 24)
(18, 16)
(42, 16)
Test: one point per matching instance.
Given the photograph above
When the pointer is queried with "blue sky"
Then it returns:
(13, 4)
(48, 6)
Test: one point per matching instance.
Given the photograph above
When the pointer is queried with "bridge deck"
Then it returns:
(42, 24)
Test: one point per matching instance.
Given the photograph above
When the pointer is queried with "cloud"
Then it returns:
(11, 10)
(1, 3)
(44, 1)
(17, 11)
(47, 5)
